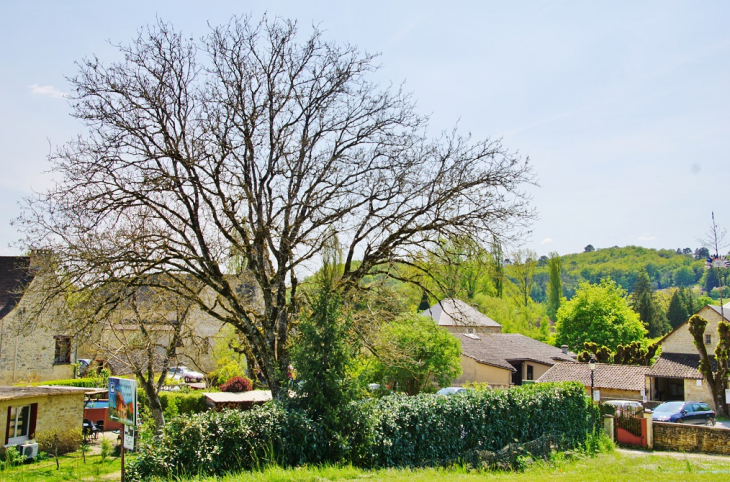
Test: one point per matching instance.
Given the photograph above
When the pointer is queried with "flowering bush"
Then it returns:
(237, 384)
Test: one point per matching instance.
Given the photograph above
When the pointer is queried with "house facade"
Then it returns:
(505, 359)
(675, 375)
(30, 348)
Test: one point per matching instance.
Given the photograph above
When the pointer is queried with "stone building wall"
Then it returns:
(698, 393)
(27, 346)
(681, 341)
(61, 412)
(691, 438)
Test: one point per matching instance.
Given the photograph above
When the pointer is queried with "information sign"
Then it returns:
(129, 437)
(123, 400)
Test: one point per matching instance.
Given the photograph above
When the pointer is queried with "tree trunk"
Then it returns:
(153, 400)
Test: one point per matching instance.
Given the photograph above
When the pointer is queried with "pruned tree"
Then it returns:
(716, 379)
(258, 144)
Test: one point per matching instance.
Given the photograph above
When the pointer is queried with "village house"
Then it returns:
(675, 375)
(506, 359)
(30, 348)
(458, 317)
(611, 382)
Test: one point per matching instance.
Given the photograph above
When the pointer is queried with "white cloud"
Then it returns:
(646, 238)
(47, 90)
(546, 241)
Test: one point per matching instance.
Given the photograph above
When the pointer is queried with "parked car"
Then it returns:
(696, 413)
(451, 390)
(185, 374)
(626, 407)
(84, 364)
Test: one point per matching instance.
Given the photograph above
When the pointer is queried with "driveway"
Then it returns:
(725, 424)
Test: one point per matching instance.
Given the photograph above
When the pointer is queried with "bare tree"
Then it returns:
(256, 144)
(522, 273)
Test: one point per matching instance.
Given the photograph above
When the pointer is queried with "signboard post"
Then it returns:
(123, 409)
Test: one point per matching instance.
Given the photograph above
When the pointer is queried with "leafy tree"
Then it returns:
(678, 312)
(683, 276)
(412, 352)
(515, 317)
(600, 314)
(711, 281)
(522, 275)
(257, 141)
(498, 263)
(555, 287)
(717, 380)
(687, 251)
(643, 302)
(589, 249)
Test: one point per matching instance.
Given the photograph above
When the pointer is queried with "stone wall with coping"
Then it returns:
(691, 438)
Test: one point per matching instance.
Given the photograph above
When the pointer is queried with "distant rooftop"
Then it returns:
(499, 349)
(451, 312)
(620, 377)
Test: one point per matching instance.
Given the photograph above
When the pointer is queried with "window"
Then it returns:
(63, 350)
(21, 423)
(530, 373)
(708, 339)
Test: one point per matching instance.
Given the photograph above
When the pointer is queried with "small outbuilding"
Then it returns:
(28, 411)
(623, 382)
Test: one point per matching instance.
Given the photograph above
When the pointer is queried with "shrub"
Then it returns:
(58, 442)
(237, 384)
(423, 430)
(73, 382)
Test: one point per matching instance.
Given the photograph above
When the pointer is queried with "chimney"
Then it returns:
(565, 349)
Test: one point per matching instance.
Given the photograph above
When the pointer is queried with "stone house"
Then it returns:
(674, 376)
(612, 382)
(31, 349)
(26, 412)
(506, 359)
(458, 317)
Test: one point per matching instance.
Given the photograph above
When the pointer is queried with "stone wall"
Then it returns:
(27, 346)
(698, 393)
(681, 341)
(61, 412)
(691, 438)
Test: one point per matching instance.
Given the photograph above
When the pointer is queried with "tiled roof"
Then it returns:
(15, 274)
(14, 393)
(451, 312)
(678, 365)
(621, 377)
(499, 349)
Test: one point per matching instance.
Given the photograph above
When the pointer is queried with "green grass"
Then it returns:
(611, 467)
(72, 467)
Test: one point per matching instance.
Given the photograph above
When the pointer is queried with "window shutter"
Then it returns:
(7, 426)
(33, 419)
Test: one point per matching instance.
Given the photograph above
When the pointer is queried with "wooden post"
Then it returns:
(122, 454)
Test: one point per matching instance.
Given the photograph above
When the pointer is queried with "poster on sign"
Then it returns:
(123, 400)
(129, 437)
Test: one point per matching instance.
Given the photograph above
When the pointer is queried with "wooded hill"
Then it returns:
(666, 268)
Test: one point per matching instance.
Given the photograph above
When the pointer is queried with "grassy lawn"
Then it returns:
(72, 467)
(608, 467)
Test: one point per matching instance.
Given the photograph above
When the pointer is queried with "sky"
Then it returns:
(622, 107)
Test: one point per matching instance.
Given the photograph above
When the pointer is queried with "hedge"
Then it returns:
(396, 431)
(72, 382)
(187, 403)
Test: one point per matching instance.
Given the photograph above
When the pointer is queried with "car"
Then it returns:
(185, 374)
(696, 413)
(84, 364)
(626, 407)
(451, 390)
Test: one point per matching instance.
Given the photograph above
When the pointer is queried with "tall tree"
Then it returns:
(644, 303)
(599, 314)
(522, 275)
(498, 268)
(716, 380)
(555, 285)
(677, 312)
(257, 141)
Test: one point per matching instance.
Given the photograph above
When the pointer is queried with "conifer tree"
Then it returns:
(678, 312)
(555, 286)
(643, 302)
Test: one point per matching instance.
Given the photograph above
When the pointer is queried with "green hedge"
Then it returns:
(187, 403)
(72, 382)
(397, 431)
